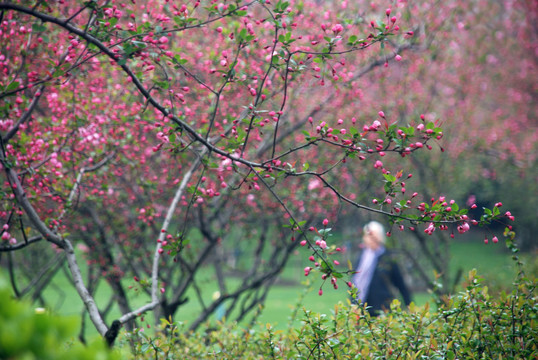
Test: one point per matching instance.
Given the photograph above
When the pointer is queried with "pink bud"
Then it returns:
(499, 204)
(387, 12)
(320, 292)
(398, 58)
(325, 222)
(381, 114)
(495, 240)
(336, 262)
(303, 243)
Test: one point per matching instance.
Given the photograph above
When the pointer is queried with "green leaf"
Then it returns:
(39, 27)
(13, 86)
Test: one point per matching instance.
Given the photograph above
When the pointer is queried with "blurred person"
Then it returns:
(377, 272)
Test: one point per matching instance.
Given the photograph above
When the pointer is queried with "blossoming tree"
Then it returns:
(149, 135)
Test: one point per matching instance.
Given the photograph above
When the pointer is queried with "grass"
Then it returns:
(494, 264)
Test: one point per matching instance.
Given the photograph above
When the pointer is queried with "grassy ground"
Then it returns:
(491, 261)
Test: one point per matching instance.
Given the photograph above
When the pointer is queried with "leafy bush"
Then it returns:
(29, 333)
(473, 324)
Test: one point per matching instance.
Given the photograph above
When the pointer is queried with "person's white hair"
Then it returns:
(376, 229)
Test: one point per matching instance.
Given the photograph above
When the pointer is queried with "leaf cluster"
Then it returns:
(28, 333)
(472, 324)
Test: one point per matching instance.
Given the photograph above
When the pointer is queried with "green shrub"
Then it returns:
(473, 324)
(28, 333)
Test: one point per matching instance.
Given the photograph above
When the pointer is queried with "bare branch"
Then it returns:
(157, 255)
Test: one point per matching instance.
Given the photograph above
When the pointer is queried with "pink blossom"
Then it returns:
(338, 28)
(430, 229)
(314, 184)
(163, 40)
(378, 164)
(375, 126)
(462, 228)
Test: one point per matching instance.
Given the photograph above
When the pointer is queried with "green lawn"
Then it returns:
(490, 260)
